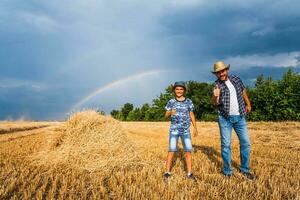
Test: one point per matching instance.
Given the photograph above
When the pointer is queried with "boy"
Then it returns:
(180, 109)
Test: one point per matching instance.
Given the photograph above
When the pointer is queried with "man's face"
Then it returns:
(179, 91)
(222, 75)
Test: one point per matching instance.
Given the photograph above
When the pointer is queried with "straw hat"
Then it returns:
(219, 66)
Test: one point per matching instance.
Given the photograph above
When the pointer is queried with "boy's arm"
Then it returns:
(169, 113)
(193, 119)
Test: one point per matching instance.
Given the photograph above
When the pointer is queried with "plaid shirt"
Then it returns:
(224, 100)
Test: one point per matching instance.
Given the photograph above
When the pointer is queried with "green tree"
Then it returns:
(126, 109)
(114, 113)
(120, 116)
(276, 100)
(157, 112)
(200, 94)
(150, 115)
(288, 105)
(264, 98)
(134, 115)
(145, 107)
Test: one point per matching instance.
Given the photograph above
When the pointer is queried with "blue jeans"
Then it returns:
(185, 137)
(238, 123)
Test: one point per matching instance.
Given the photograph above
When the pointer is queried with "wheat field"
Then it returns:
(91, 157)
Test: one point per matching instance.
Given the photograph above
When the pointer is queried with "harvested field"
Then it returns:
(89, 141)
(10, 127)
(91, 157)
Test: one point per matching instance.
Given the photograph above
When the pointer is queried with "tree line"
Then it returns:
(272, 100)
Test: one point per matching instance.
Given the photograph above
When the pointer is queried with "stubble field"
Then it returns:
(91, 157)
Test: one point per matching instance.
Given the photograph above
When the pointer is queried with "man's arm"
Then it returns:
(216, 95)
(193, 119)
(247, 101)
(215, 100)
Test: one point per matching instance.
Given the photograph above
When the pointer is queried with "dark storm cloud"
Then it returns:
(250, 74)
(230, 28)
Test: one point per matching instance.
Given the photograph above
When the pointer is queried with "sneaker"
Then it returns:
(167, 176)
(191, 177)
(249, 176)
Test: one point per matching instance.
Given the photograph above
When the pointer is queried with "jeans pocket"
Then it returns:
(174, 132)
(242, 121)
(222, 120)
(186, 133)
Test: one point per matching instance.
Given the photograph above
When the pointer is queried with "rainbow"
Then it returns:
(114, 84)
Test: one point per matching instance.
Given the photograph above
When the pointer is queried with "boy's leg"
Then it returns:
(173, 143)
(169, 161)
(188, 159)
(225, 132)
(187, 147)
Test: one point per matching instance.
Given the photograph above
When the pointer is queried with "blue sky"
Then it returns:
(55, 53)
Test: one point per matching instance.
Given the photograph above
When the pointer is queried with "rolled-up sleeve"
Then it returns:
(241, 84)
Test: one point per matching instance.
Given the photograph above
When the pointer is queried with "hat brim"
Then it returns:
(227, 67)
(178, 86)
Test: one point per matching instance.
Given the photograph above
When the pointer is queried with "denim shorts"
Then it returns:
(185, 140)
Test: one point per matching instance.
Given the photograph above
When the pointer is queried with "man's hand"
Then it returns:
(216, 95)
(248, 109)
(216, 91)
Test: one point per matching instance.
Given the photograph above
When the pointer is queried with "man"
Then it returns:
(233, 104)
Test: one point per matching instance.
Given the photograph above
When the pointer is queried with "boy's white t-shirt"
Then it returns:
(234, 105)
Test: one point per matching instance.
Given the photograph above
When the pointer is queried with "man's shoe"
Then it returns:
(191, 177)
(248, 175)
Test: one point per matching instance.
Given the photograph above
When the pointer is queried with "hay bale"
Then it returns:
(92, 142)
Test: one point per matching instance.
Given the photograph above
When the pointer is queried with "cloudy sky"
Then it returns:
(61, 55)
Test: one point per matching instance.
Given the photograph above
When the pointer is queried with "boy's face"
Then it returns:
(179, 91)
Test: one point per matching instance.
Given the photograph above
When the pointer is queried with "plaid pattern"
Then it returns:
(224, 101)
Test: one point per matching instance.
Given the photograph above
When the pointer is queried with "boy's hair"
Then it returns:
(179, 84)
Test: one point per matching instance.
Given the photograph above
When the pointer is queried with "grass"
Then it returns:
(275, 160)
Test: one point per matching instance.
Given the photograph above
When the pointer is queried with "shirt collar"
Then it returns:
(180, 101)
(229, 78)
